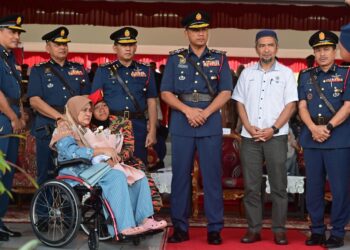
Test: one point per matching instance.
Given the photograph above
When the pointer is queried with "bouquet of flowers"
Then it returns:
(104, 138)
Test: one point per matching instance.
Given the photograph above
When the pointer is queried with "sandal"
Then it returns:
(133, 231)
(152, 224)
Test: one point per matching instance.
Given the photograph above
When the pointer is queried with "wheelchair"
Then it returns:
(58, 210)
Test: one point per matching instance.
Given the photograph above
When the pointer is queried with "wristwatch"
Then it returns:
(275, 130)
(329, 126)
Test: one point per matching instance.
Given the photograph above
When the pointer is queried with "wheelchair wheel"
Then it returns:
(55, 214)
(91, 208)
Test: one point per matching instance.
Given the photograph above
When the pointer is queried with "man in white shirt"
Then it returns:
(266, 95)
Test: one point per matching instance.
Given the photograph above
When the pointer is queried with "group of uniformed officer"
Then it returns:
(196, 84)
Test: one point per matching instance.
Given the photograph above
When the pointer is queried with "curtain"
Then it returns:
(224, 15)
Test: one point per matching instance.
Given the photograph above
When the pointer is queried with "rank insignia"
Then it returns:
(309, 96)
(62, 33)
(127, 33)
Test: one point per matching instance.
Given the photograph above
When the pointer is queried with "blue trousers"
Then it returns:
(9, 146)
(334, 163)
(209, 150)
(44, 159)
(140, 132)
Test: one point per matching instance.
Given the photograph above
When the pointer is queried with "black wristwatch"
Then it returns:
(329, 126)
(275, 130)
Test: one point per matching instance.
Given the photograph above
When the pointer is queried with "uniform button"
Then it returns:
(126, 98)
(260, 107)
(126, 81)
(197, 73)
(260, 98)
(310, 89)
(65, 97)
(76, 78)
(320, 105)
(126, 107)
(259, 117)
(322, 89)
(195, 91)
(263, 90)
(61, 69)
(182, 72)
(64, 88)
(264, 81)
(127, 73)
(198, 63)
(324, 80)
(319, 114)
(113, 81)
(195, 81)
(211, 71)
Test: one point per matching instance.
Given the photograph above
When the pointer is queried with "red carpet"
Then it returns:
(231, 240)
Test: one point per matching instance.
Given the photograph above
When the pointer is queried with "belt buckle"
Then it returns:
(195, 97)
(321, 120)
(126, 114)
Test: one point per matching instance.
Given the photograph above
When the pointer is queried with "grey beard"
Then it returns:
(266, 61)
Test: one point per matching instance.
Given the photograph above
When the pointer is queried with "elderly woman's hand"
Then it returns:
(111, 152)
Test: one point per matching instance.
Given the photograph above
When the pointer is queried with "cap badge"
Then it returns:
(62, 33)
(198, 16)
(19, 20)
(127, 33)
(322, 36)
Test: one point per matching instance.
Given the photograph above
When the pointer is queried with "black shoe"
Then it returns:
(4, 236)
(214, 238)
(4, 229)
(316, 239)
(178, 236)
(334, 242)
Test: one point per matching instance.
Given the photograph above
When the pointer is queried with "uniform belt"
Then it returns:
(128, 115)
(13, 101)
(195, 97)
(321, 120)
(58, 108)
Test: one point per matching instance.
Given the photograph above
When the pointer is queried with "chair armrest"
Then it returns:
(72, 162)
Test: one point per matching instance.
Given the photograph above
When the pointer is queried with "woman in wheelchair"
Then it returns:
(131, 204)
(118, 124)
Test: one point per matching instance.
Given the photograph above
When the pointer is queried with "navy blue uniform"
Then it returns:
(140, 80)
(332, 157)
(10, 87)
(46, 85)
(180, 77)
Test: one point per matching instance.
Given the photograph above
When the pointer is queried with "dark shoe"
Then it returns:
(250, 237)
(4, 229)
(4, 236)
(334, 242)
(178, 236)
(315, 239)
(281, 238)
(214, 238)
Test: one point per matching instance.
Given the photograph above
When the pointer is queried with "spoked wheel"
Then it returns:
(55, 214)
(91, 209)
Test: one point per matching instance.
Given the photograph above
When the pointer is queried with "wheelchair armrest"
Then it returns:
(72, 162)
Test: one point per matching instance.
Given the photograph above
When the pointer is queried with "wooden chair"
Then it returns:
(232, 179)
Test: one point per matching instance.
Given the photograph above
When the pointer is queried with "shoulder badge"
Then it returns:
(178, 51)
(217, 51)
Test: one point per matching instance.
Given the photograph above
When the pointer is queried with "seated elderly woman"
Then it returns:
(130, 204)
(117, 124)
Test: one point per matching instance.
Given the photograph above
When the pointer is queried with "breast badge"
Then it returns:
(182, 77)
(50, 85)
(138, 73)
(211, 63)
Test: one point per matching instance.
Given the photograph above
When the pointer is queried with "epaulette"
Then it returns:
(178, 51)
(307, 70)
(344, 66)
(107, 64)
(217, 51)
(40, 64)
(143, 63)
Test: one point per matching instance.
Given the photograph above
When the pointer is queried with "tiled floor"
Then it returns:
(153, 242)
